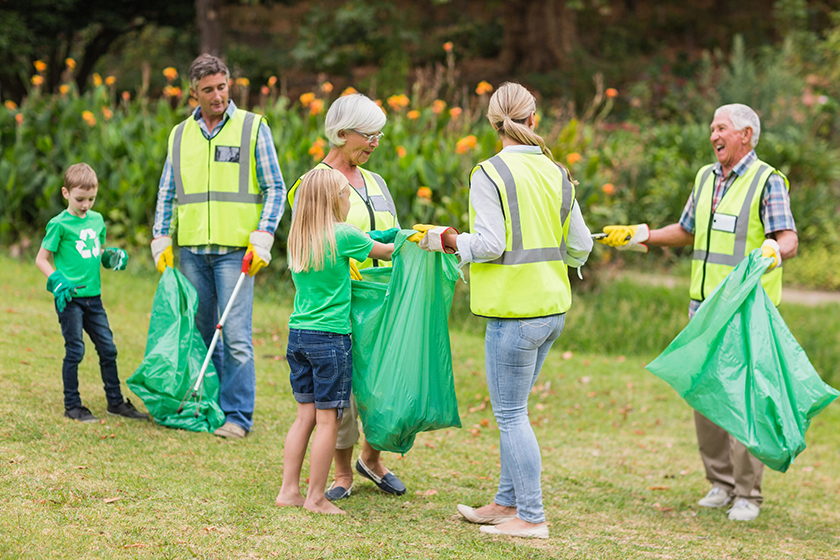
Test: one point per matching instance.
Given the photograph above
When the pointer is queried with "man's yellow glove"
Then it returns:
(627, 238)
(421, 230)
(162, 253)
(259, 245)
(770, 249)
(354, 271)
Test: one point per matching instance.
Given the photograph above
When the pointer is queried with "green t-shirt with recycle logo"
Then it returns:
(77, 244)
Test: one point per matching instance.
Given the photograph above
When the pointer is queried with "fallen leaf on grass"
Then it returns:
(567, 355)
(24, 362)
(807, 469)
(112, 500)
(485, 422)
(429, 492)
(592, 394)
(135, 545)
(429, 445)
(80, 467)
(211, 528)
(475, 432)
(658, 488)
(585, 379)
(660, 508)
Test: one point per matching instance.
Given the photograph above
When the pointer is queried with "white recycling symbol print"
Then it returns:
(82, 245)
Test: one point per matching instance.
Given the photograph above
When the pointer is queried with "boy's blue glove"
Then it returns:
(61, 290)
(114, 258)
(384, 236)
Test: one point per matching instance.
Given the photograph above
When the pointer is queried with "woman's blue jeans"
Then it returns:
(514, 352)
(214, 277)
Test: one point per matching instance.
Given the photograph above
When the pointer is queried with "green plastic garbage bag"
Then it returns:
(402, 363)
(738, 364)
(175, 352)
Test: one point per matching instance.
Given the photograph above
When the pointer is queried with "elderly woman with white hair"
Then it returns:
(738, 204)
(354, 127)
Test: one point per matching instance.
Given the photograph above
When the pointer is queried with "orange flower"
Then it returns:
(265, 90)
(483, 87)
(326, 87)
(466, 144)
(19, 118)
(413, 114)
(316, 106)
(401, 152)
(455, 112)
(126, 96)
(107, 113)
(425, 193)
(170, 73)
(349, 91)
(193, 102)
(110, 80)
(398, 101)
(611, 92)
(438, 106)
(89, 118)
(447, 46)
(10, 105)
(172, 91)
(64, 89)
(537, 119)
(306, 99)
(71, 64)
(37, 80)
(244, 82)
(608, 189)
(379, 102)
(573, 158)
(272, 80)
(317, 149)
(40, 65)
(97, 80)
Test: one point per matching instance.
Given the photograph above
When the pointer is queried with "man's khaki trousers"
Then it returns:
(727, 461)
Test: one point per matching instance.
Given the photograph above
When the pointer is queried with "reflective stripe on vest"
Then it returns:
(719, 244)
(530, 278)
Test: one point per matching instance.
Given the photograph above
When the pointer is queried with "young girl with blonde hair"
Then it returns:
(319, 351)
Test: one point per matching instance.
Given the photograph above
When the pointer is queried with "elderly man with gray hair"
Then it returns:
(738, 204)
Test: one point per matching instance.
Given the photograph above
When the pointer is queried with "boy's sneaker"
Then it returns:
(127, 410)
(82, 414)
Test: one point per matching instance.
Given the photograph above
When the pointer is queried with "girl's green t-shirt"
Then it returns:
(77, 244)
(322, 298)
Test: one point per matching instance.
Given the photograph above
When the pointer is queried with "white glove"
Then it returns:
(770, 249)
(259, 243)
(433, 240)
(162, 252)
(627, 238)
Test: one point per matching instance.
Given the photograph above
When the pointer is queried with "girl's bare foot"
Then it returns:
(287, 499)
(323, 506)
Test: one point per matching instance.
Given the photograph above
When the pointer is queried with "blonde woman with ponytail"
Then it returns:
(525, 231)
(319, 352)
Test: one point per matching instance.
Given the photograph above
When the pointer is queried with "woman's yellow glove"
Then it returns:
(354, 271)
(421, 230)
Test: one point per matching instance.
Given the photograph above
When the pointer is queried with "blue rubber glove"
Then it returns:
(61, 290)
(114, 258)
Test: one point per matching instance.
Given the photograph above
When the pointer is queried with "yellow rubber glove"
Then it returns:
(421, 232)
(770, 249)
(354, 271)
(162, 253)
(259, 245)
(627, 238)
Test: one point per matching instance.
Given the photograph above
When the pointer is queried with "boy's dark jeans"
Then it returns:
(87, 313)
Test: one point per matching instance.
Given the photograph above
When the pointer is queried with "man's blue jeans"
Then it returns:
(86, 314)
(214, 277)
(514, 352)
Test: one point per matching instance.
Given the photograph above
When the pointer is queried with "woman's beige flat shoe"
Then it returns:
(473, 517)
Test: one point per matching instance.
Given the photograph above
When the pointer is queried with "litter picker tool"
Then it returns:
(197, 390)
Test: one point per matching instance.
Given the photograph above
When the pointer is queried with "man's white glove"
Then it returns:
(770, 249)
(433, 240)
(627, 238)
(162, 253)
(259, 245)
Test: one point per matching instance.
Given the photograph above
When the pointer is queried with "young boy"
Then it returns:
(75, 240)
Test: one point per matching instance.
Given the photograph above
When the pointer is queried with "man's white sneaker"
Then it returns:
(743, 511)
(717, 497)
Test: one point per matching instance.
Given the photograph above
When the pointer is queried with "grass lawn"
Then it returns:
(621, 472)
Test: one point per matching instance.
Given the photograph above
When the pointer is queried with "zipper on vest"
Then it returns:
(209, 164)
(371, 215)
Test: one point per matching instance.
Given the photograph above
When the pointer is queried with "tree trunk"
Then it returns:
(539, 36)
(209, 26)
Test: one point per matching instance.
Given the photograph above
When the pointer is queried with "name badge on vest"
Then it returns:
(724, 222)
(227, 154)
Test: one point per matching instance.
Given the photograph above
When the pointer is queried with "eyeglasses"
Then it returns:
(369, 137)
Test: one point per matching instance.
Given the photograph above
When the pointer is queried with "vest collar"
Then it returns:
(229, 112)
(740, 168)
